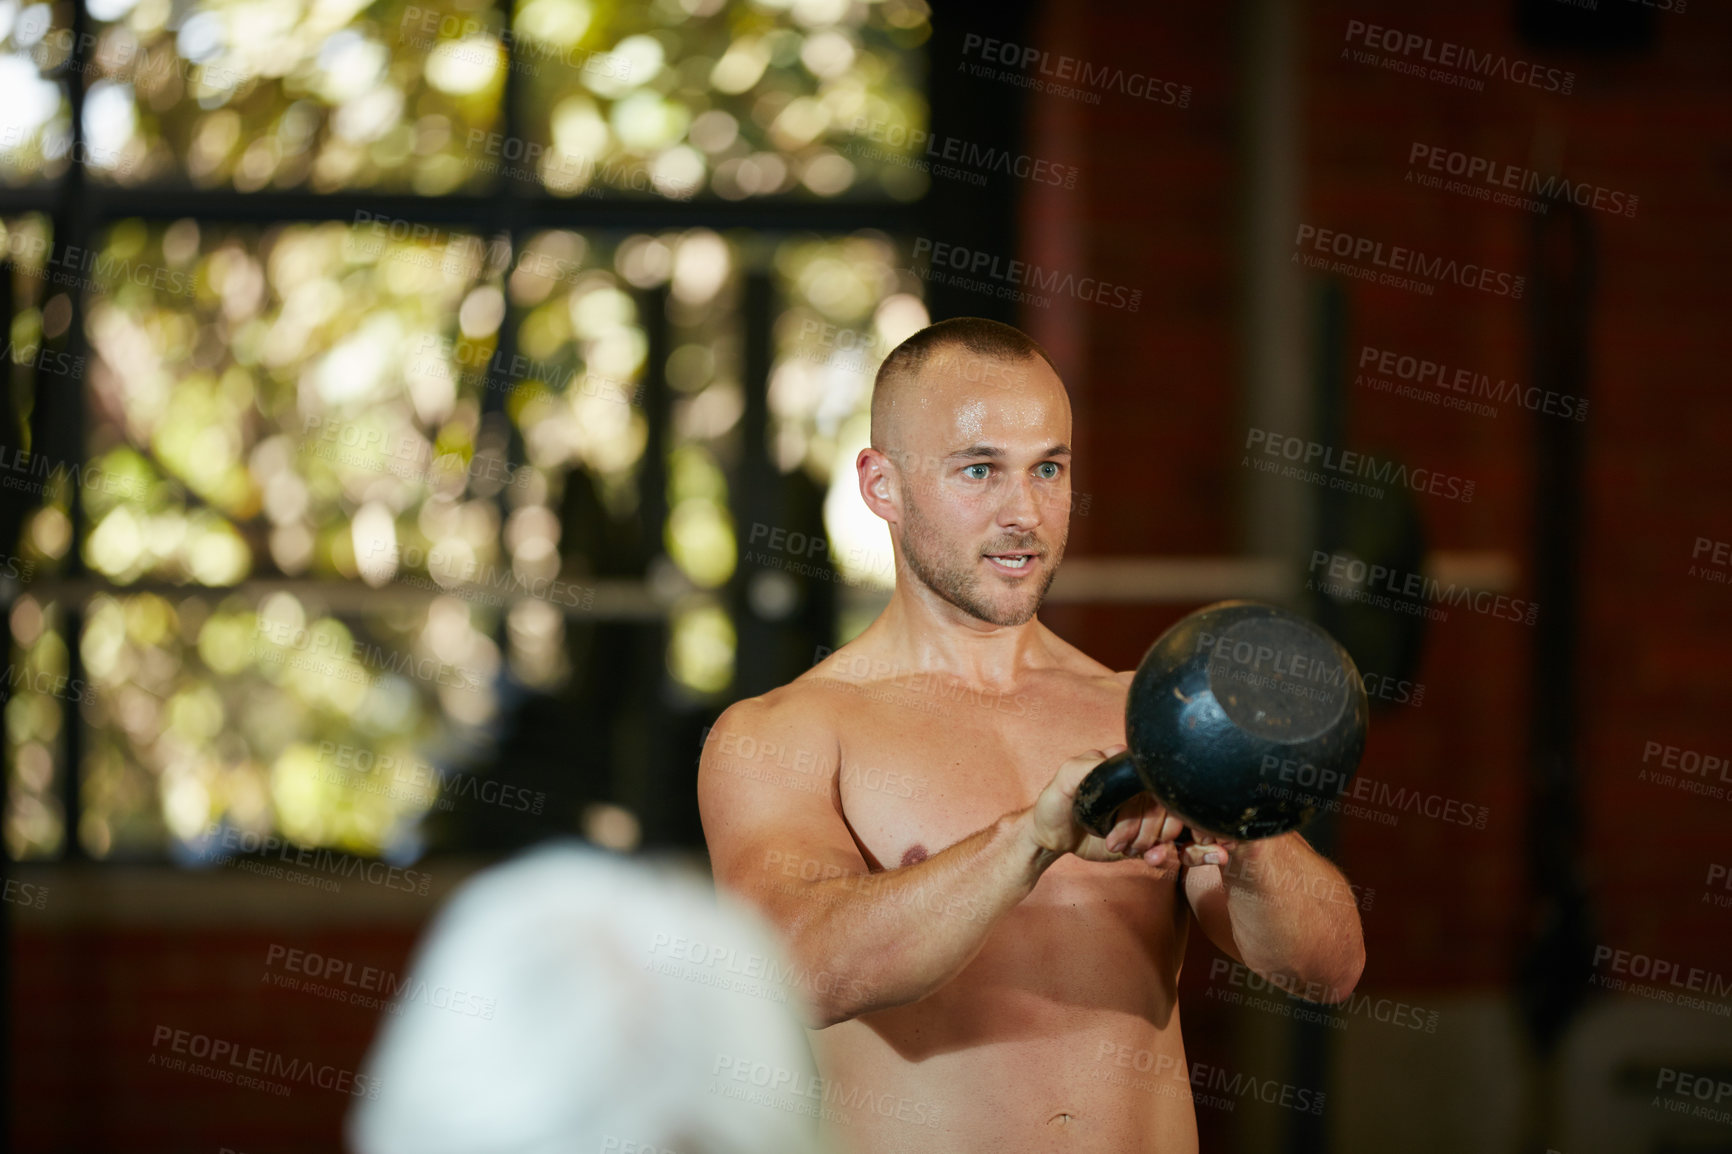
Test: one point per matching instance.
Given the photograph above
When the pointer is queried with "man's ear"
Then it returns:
(879, 484)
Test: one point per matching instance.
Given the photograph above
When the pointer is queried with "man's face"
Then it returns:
(986, 484)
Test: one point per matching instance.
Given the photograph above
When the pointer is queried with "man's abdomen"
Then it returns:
(1062, 1034)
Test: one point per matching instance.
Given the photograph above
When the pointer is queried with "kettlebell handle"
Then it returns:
(1108, 786)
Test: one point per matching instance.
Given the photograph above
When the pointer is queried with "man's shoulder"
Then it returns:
(801, 705)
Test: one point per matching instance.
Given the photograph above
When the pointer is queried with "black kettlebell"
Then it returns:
(1242, 719)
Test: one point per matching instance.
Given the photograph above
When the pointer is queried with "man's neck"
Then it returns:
(922, 631)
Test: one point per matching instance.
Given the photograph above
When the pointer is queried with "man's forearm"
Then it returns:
(898, 935)
(1289, 921)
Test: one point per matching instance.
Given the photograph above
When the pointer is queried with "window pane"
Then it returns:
(707, 400)
(574, 394)
(37, 364)
(271, 403)
(850, 300)
(38, 689)
(267, 403)
(729, 98)
(587, 329)
(320, 96)
(208, 716)
(35, 114)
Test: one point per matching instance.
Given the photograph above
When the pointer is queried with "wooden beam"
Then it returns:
(1081, 581)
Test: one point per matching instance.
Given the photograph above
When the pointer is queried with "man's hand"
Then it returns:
(1143, 829)
(1207, 849)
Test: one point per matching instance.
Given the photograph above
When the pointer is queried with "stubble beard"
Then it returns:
(954, 576)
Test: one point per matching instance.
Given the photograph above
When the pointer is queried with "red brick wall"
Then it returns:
(87, 1005)
(1155, 396)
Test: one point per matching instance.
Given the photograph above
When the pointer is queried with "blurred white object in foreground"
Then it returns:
(577, 1002)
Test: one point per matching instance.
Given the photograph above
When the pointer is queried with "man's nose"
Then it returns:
(1021, 505)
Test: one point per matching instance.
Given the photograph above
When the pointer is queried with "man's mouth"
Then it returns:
(1013, 561)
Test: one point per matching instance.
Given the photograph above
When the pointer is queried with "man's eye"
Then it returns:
(1048, 469)
(969, 471)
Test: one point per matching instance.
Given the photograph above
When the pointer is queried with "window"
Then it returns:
(353, 416)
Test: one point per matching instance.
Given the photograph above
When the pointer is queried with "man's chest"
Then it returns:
(918, 773)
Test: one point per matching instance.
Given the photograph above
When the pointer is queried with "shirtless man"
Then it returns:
(895, 811)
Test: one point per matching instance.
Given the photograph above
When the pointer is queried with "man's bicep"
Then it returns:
(766, 796)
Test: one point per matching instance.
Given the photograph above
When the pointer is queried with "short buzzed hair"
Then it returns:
(977, 335)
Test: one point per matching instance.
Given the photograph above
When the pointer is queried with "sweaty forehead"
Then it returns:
(959, 398)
